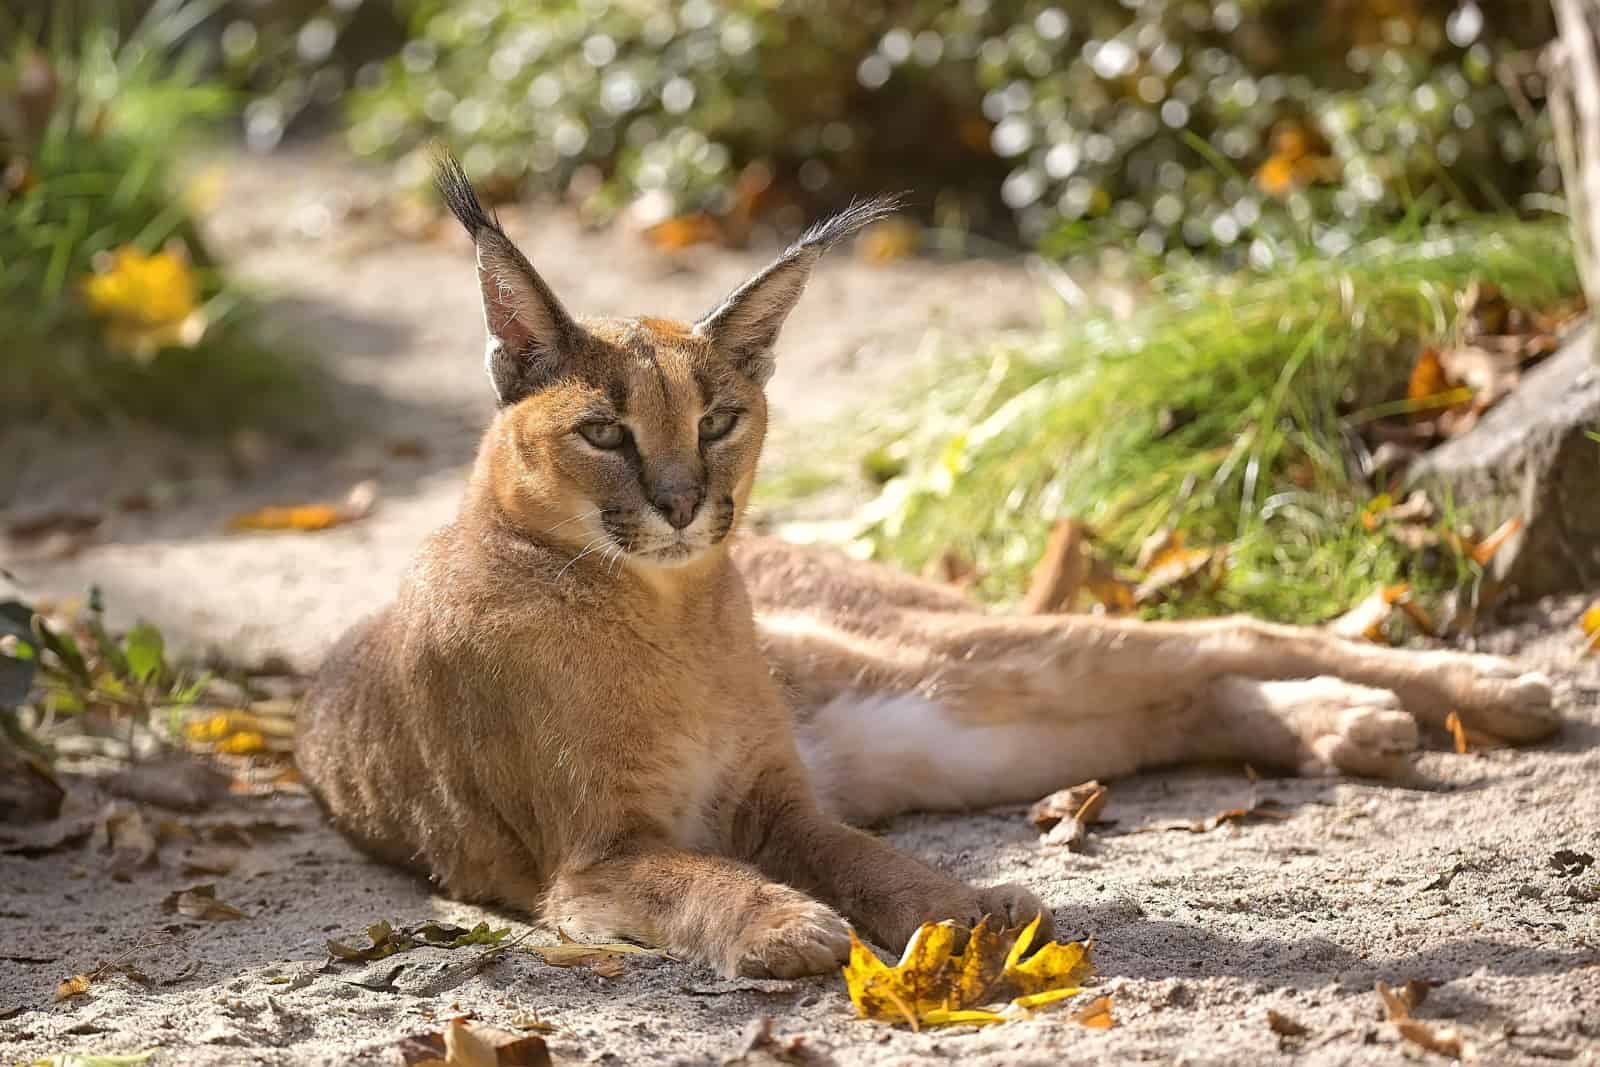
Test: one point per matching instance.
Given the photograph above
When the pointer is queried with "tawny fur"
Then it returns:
(632, 729)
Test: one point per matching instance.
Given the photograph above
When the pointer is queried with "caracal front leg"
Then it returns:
(705, 908)
(884, 892)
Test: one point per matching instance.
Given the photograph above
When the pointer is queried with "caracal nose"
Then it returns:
(678, 506)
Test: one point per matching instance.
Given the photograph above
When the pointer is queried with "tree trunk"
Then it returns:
(1575, 111)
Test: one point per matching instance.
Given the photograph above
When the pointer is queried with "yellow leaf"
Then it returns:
(75, 986)
(243, 743)
(309, 517)
(1096, 1014)
(603, 958)
(1591, 626)
(148, 302)
(933, 985)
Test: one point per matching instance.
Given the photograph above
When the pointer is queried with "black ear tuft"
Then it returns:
(746, 324)
(455, 189)
(530, 333)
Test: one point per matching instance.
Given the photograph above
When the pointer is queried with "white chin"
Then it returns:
(671, 555)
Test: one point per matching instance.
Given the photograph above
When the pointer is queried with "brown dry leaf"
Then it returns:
(1442, 1040)
(52, 535)
(1466, 739)
(1061, 572)
(1430, 390)
(684, 231)
(1590, 624)
(1108, 590)
(121, 830)
(75, 986)
(464, 1045)
(1485, 550)
(606, 959)
(1064, 817)
(200, 902)
(1398, 1004)
(310, 517)
(933, 985)
(953, 568)
(889, 240)
(1255, 809)
(1096, 1015)
(763, 1048)
(1284, 1026)
(1168, 562)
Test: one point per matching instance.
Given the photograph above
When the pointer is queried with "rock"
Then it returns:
(1533, 456)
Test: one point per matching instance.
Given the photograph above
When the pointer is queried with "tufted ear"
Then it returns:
(529, 330)
(746, 324)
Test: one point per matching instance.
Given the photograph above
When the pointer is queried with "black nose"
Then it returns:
(678, 505)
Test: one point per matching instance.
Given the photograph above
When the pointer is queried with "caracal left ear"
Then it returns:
(746, 324)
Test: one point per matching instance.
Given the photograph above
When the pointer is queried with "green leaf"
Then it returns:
(146, 653)
(65, 649)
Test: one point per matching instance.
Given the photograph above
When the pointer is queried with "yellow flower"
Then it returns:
(148, 302)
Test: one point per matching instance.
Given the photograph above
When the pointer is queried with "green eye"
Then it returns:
(604, 434)
(715, 424)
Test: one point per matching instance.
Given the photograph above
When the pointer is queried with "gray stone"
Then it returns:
(1533, 456)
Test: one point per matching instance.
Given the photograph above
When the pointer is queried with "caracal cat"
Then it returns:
(590, 700)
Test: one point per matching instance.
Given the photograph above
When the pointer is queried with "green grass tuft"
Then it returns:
(1221, 409)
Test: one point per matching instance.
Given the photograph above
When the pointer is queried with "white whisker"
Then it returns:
(598, 542)
(575, 518)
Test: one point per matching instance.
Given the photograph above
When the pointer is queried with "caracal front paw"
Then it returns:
(789, 938)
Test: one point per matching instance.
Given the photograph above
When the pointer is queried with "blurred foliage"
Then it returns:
(109, 302)
(1223, 410)
(1249, 127)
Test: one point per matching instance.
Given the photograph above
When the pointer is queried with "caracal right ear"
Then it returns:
(529, 330)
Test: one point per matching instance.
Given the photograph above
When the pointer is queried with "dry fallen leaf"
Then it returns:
(605, 959)
(215, 861)
(75, 986)
(933, 985)
(1590, 623)
(1364, 622)
(121, 830)
(200, 902)
(1061, 572)
(1096, 1014)
(465, 1045)
(1265, 808)
(1284, 1026)
(1168, 563)
(1064, 817)
(309, 517)
(1398, 1004)
(1465, 739)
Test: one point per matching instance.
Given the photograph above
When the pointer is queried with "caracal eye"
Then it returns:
(715, 424)
(606, 435)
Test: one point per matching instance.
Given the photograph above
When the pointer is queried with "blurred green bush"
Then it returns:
(110, 305)
(1245, 127)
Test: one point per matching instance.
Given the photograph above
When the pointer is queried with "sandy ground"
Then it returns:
(1197, 935)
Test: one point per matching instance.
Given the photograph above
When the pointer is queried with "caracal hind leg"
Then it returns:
(700, 907)
(1129, 661)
